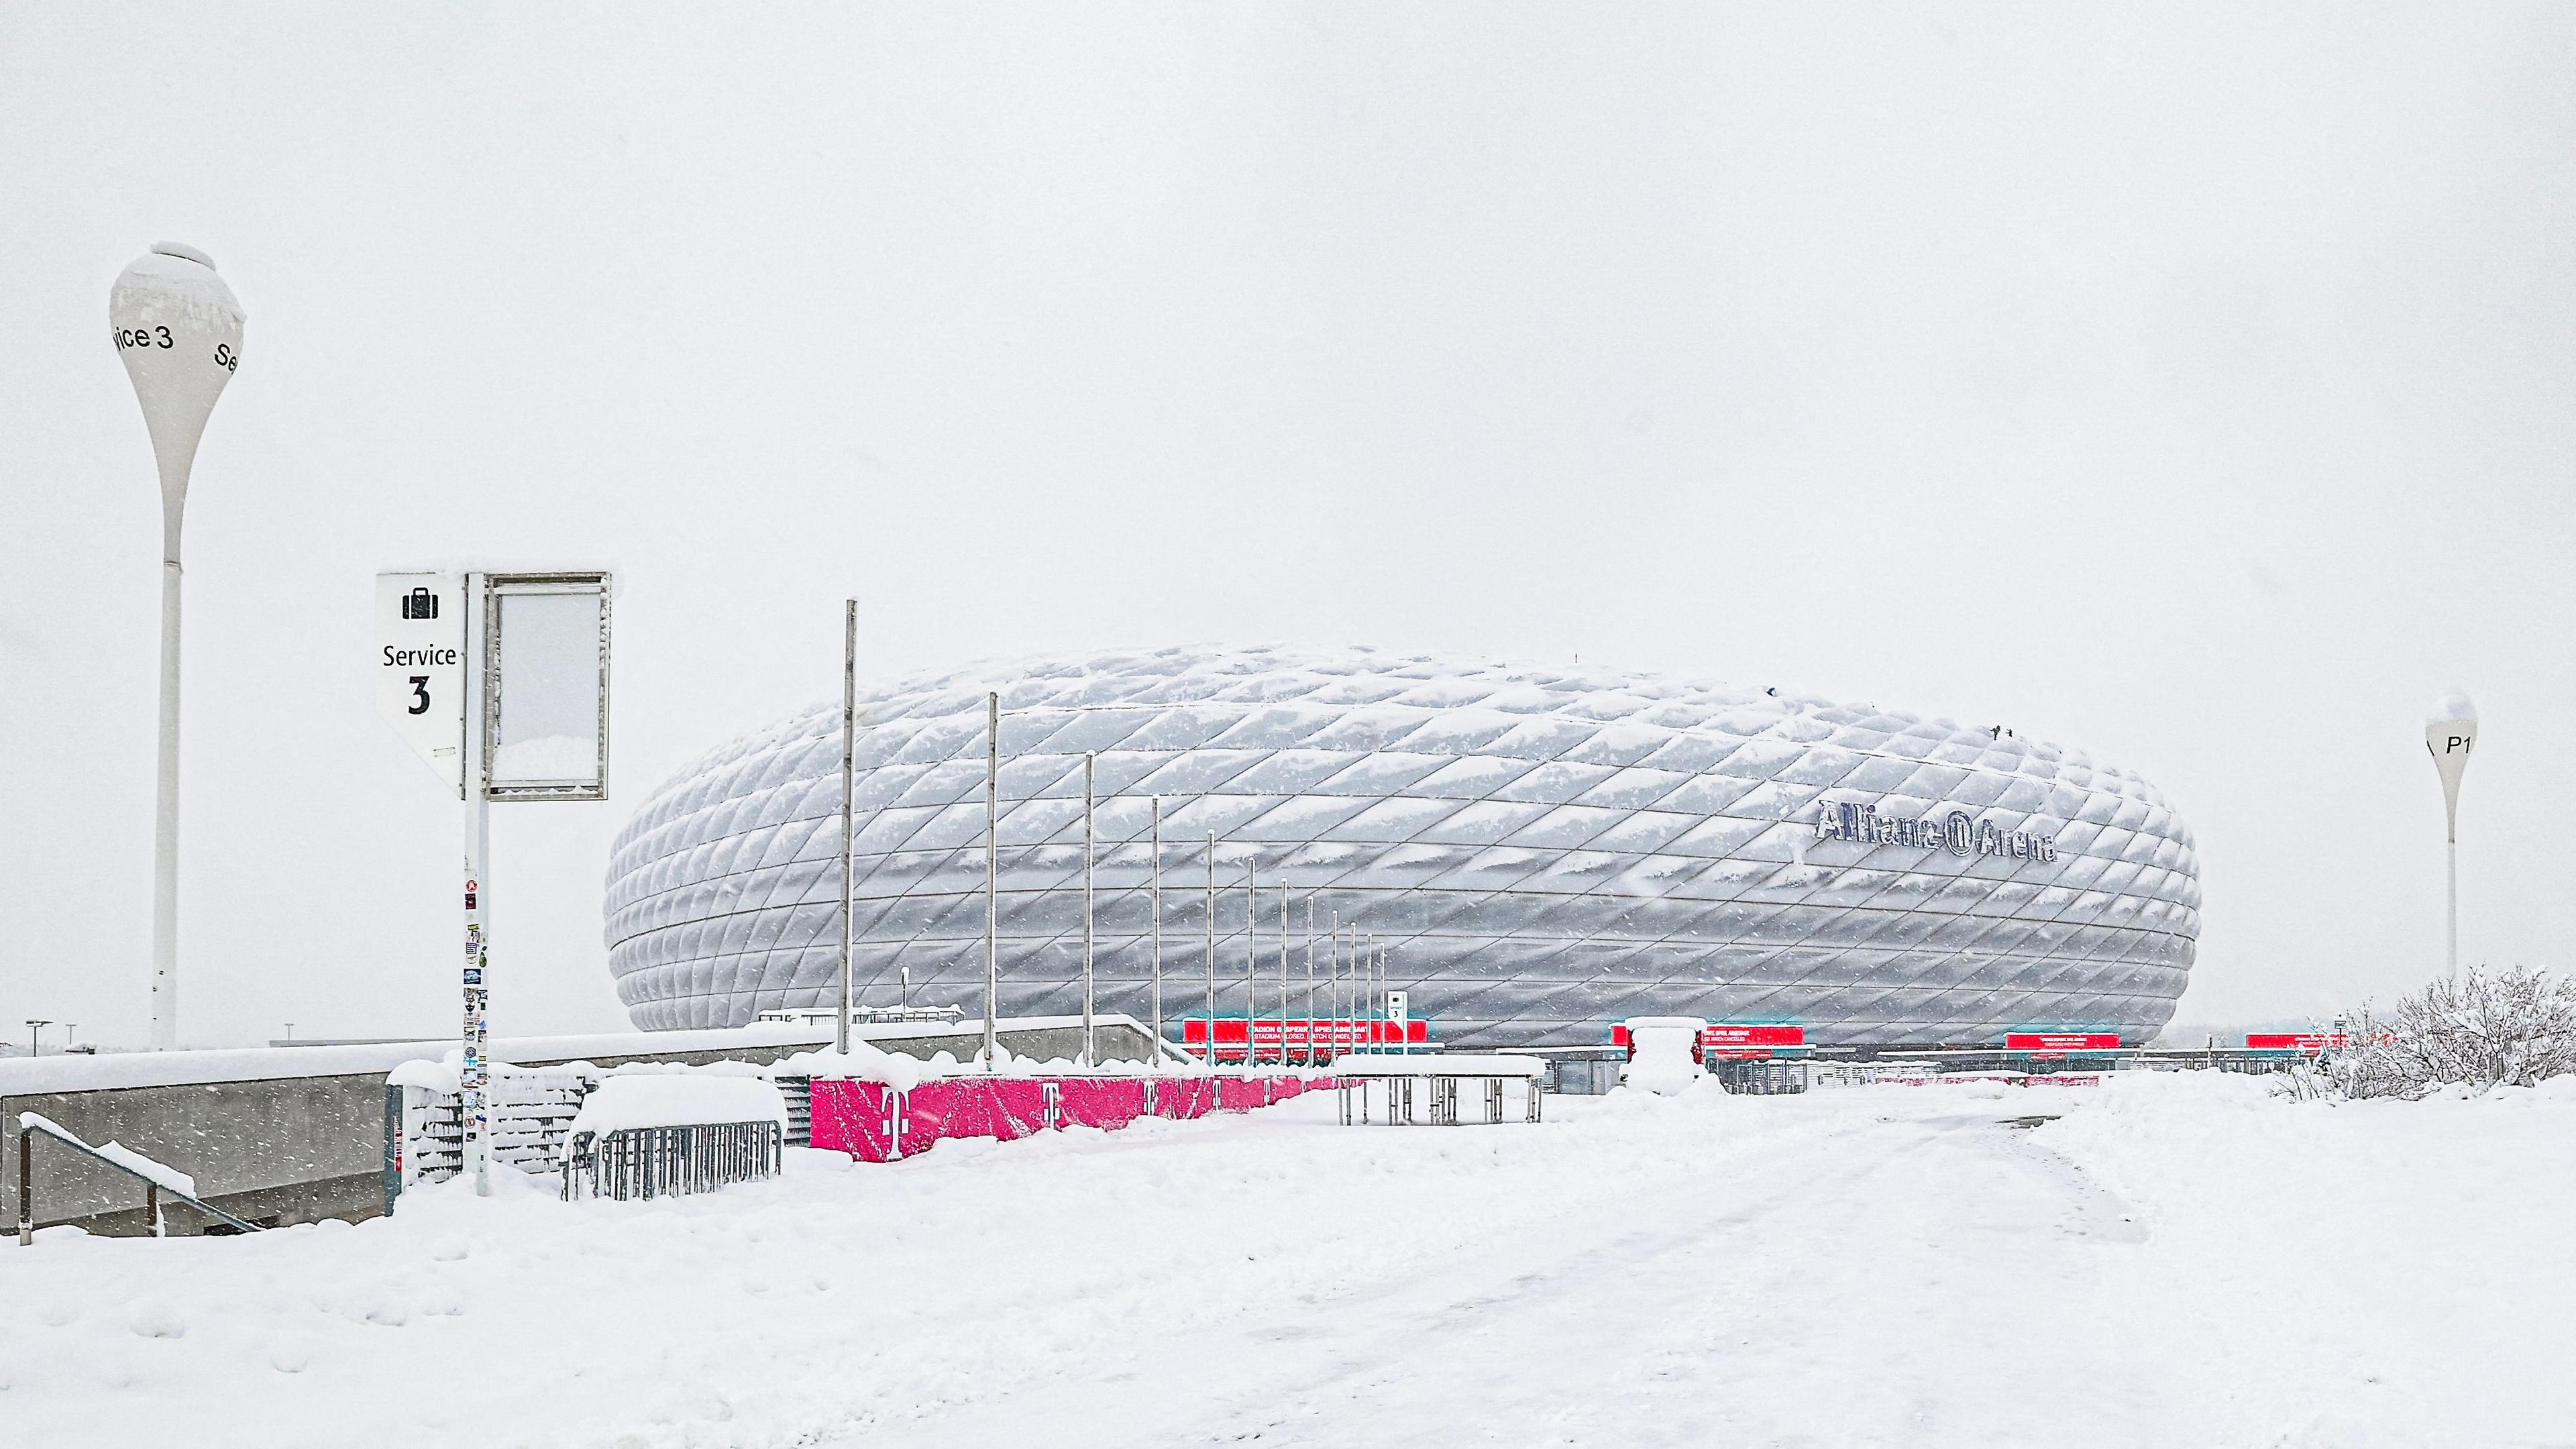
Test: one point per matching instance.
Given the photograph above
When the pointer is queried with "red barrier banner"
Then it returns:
(1733, 1042)
(2307, 1043)
(2061, 1041)
(1727, 1034)
(1276, 1041)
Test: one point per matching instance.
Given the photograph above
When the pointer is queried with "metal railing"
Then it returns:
(30, 1125)
(649, 1162)
(1442, 1093)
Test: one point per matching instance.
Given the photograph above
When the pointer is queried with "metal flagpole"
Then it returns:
(1310, 980)
(1361, 1037)
(1384, 1002)
(1251, 967)
(849, 732)
(1285, 989)
(992, 877)
(1404, 1028)
(1157, 893)
(1211, 949)
(1377, 992)
(1333, 967)
(1088, 1042)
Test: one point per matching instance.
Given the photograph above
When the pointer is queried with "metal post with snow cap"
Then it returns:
(499, 682)
(1090, 1039)
(178, 330)
(2450, 732)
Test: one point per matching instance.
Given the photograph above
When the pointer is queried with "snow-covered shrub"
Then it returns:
(2479, 1028)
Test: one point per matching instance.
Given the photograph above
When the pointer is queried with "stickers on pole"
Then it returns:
(420, 667)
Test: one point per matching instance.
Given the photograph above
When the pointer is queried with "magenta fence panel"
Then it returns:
(872, 1122)
(1009, 1108)
(1184, 1097)
(858, 1118)
(1105, 1102)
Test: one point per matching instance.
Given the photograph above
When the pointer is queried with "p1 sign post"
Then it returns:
(499, 682)
(2450, 733)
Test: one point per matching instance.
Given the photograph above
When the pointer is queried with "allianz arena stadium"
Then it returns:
(1542, 852)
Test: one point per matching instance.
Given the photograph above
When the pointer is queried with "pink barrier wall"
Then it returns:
(874, 1123)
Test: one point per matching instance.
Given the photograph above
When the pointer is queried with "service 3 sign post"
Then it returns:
(499, 682)
(420, 667)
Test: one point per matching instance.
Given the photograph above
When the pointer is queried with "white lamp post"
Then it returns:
(179, 331)
(2450, 732)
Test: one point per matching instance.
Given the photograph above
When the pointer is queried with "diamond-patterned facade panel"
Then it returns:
(1541, 852)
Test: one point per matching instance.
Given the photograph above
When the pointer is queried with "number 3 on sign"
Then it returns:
(419, 666)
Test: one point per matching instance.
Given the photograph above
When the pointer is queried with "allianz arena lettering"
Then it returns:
(1960, 832)
(1541, 851)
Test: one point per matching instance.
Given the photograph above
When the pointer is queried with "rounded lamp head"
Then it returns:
(2453, 705)
(178, 329)
(2450, 733)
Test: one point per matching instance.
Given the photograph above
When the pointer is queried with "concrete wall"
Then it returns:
(283, 1149)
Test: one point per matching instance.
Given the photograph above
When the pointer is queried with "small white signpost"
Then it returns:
(1396, 1005)
(499, 682)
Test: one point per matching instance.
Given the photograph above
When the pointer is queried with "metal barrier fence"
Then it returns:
(1762, 1078)
(532, 1111)
(649, 1162)
(1442, 1094)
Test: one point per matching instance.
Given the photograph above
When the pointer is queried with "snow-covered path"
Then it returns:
(2176, 1261)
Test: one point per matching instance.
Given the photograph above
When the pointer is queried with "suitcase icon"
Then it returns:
(420, 604)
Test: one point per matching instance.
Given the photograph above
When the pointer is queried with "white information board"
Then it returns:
(419, 665)
(1396, 1006)
(545, 725)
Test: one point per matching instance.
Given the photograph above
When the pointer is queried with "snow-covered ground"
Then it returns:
(2178, 1260)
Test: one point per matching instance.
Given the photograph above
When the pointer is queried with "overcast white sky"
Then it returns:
(2191, 384)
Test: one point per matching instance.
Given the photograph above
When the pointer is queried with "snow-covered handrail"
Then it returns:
(156, 1177)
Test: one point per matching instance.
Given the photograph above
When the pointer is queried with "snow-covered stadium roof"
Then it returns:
(1542, 851)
